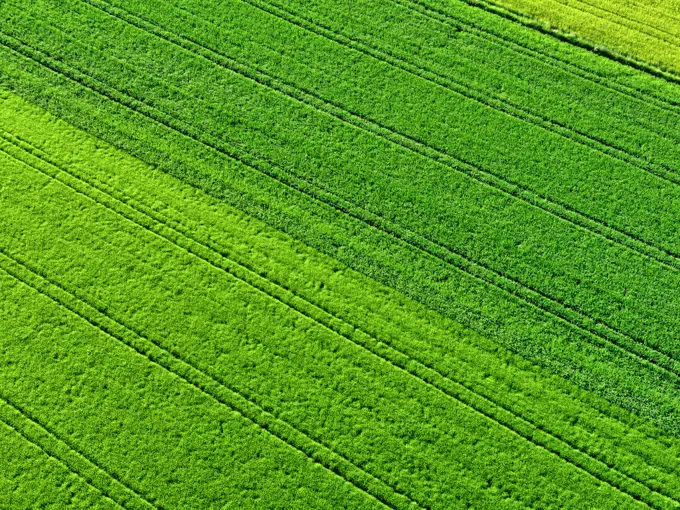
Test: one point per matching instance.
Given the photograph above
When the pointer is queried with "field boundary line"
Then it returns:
(369, 343)
(488, 100)
(11, 413)
(284, 177)
(267, 82)
(329, 199)
(213, 380)
(450, 21)
(659, 11)
(438, 14)
(217, 390)
(517, 191)
(622, 23)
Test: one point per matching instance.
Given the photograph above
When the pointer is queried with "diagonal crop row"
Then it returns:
(109, 485)
(137, 335)
(338, 111)
(564, 212)
(450, 21)
(651, 8)
(577, 41)
(215, 254)
(444, 17)
(595, 331)
(220, 258)
(186, 243)
(664, 103)
(486, 177)
(488, 99)
(535, 296)
(181, 237)
(623, 23)
(642, 246)
(217, 390)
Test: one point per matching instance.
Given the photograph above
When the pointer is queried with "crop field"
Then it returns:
(413, 254)
(648, 32)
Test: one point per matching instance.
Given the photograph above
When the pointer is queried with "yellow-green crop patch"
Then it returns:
(504, 178)
(649, 32)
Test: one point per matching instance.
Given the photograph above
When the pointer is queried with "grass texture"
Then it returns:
(402, 253)
(504, 178)
(649, 32)
(191, 356)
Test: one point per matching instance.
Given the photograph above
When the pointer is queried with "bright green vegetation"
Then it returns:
(160, 348)
(513, 184)
(33, 478)
(646, 31)
(520, 185)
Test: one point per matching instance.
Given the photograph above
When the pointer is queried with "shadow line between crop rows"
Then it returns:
(209, 385)
(594, 225)
(425, 373)
(625, 23)
(478, 271)
(22, 414)
(486, 98)
(432, 248)
(525, 292)
(564, 212)
(576, 41)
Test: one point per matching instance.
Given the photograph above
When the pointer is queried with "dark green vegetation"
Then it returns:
(513, 184)
(497, 175)
(169, 351)
(648, 32)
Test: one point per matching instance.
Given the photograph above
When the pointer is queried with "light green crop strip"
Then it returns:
(649, 32)
(109, 182)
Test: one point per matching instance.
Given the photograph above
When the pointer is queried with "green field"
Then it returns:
(175, 299)
(284, 254)
(646, 32)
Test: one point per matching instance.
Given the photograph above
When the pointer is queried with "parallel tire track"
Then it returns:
(595, 331)
(69, 457)
(619, 479)
(574, 40)
(596, 226)
(418, 147)
(487, 99)
(219, 258)
(217, 390)
(650, 8)
(448, 20)
(563, 211)
(625, 23)
(663, 103)
(444, 17)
